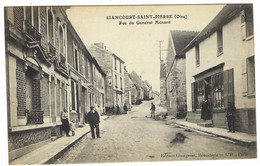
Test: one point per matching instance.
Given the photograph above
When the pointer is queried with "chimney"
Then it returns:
(100, 45)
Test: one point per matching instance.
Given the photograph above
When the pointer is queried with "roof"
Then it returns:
(181, 39)
(223, 17)
(136, 79)
(98, 67)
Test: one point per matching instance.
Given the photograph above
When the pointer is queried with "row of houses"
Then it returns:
(216, 64)
(49, 69)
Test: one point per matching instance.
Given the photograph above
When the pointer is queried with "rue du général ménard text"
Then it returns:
(145, 19)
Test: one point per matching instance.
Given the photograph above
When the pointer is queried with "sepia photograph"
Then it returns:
(93, 84)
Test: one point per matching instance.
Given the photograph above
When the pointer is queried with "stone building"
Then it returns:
(222, 69)
(137, 80)
(162, 83)
(113, 67)
(99, 85)
(48, 69)
(148, 90)
(130, 90)
(175, 72)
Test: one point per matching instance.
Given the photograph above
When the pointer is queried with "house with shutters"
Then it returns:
(176, 72)
(221, 69)
(113, 67)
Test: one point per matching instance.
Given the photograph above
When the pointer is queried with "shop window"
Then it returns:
(200, 93)
(72, 95)
(217, 88)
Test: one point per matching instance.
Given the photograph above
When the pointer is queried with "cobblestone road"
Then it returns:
(133, 137)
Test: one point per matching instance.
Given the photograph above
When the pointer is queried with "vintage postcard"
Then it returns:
(136, 83)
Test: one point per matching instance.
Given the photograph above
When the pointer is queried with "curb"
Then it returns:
(241, 142)
(59, 154)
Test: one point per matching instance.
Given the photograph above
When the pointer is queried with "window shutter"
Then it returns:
(243, 25)
(228, 83)
(244, 77)
(194, 95)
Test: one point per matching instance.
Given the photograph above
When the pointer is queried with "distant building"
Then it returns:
(113, 67)
(137, 80)
(130, 90)
(176, 70)
(221, 69)
(148, 90)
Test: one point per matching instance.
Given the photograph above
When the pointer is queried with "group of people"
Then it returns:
(230, 114)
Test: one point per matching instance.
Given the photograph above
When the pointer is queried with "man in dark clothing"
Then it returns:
(93, 120)
(152, 110)
(125, 109)
(231, 117)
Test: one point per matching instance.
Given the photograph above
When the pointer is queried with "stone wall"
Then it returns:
(24, 138)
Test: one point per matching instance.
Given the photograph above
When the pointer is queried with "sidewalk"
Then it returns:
(238, 137)
(51, 151)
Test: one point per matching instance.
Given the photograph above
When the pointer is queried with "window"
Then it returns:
(32, 16)
(200, 93)
(220, 41)
(72, 96)
(251, 75)
(116, 81)
(120, 67)
(121, 83)
(115, 63)
(50, 27)
(61, 39)
(249, 22)
(197, 55)
(76, 65)
(217, 88)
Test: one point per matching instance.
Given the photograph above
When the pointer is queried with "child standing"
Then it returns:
(73, 127)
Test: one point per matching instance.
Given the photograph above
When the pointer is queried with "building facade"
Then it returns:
(48, 70)
(130, 90)
(176, 72)
(221, 69)
(37, 75)
(113, 67)
(137, 80)
(162, 83)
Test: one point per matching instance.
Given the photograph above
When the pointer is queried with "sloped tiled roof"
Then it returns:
(181, 39)
(223, 17)
(136, 79)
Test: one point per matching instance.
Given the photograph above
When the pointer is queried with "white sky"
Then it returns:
(137, 45)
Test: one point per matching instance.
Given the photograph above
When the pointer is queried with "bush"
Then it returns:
(181, 111)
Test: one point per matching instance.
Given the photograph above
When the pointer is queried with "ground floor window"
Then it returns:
(217, 91)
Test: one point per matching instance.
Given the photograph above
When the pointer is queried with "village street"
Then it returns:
(133, 137)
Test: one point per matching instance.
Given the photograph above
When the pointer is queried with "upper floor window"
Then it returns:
(197, 55)
(220, 41)
(121, 83)
(61, 39)
(247, 22)
(116, 81)
(50, 27)
(120, 67)
(76, 59)
(115, 63)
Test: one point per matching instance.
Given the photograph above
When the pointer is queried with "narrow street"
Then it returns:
(133, 137)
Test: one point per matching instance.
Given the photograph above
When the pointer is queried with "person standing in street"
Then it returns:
(93, 120)
(125, 109)
(152, 110)
(65, 122)
(231, 117)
